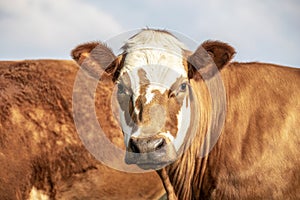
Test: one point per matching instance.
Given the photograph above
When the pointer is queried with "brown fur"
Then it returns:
(200, 62)
(145, 119)
(221, 52)
(95, 58)
(256, 156)
(39, 145)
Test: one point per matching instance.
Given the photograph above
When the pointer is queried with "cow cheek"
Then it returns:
(172, 119)
(124, 103)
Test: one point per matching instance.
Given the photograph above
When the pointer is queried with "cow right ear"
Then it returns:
(95, 58)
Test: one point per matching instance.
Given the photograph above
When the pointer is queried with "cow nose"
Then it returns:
(146, 145)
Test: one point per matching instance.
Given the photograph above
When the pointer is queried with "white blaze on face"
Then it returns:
(159, 54)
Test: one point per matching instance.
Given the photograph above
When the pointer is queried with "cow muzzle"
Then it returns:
(150, 152)
(146, 145)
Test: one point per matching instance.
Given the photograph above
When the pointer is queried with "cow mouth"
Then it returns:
(149, 164)
(154, 166)
(152, 160)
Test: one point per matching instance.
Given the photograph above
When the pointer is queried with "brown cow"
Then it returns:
(41, 155)
(172, 106)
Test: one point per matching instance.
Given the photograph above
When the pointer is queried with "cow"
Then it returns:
(210, 127)
(41, 154)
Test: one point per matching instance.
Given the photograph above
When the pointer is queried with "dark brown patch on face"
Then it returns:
(119, 67)
(171, 101)
(176, 97)
(144, 84)
(143, 79)
(153, 114)
(171, 124)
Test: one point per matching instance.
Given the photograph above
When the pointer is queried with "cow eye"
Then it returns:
(121, 89)
(182, 87)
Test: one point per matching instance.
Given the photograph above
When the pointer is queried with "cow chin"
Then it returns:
(153, 160)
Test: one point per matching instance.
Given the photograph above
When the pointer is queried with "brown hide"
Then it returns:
(257, 155)
(39, 146)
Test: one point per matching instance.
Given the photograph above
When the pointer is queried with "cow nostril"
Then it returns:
(159, 144)
(133, 146)
(146, 145)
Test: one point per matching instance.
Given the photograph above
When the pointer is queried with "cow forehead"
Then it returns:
(158, 53)
(160, 68)
(144, 57)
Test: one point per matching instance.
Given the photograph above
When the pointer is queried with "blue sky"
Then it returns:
(259, 30)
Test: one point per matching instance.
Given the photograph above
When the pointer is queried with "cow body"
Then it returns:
(240, 144)
(257, 155)
(41, 155)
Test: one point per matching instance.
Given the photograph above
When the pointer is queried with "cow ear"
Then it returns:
(210, 57)
(95, 58)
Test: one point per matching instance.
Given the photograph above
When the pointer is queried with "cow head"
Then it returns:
(157, 106)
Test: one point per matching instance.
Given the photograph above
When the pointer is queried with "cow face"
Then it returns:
(155, 111)
(155, 96)
(157, 107)
(152, 113)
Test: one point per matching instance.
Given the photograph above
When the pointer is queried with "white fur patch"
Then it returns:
(152, 39)
(36, 194)
(149, 94)
(184, 120)
(159, 54)
(125, 128)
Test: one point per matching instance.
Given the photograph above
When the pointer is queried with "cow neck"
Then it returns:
(188, 171)
(187, 175)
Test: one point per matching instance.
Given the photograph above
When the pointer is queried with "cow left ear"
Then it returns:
(210, 57)
(95, 58)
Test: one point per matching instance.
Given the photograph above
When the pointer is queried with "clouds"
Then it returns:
(259, 30)
(50, 28)
(265, 31)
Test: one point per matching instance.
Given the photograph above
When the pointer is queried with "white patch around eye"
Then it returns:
(184, 120)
